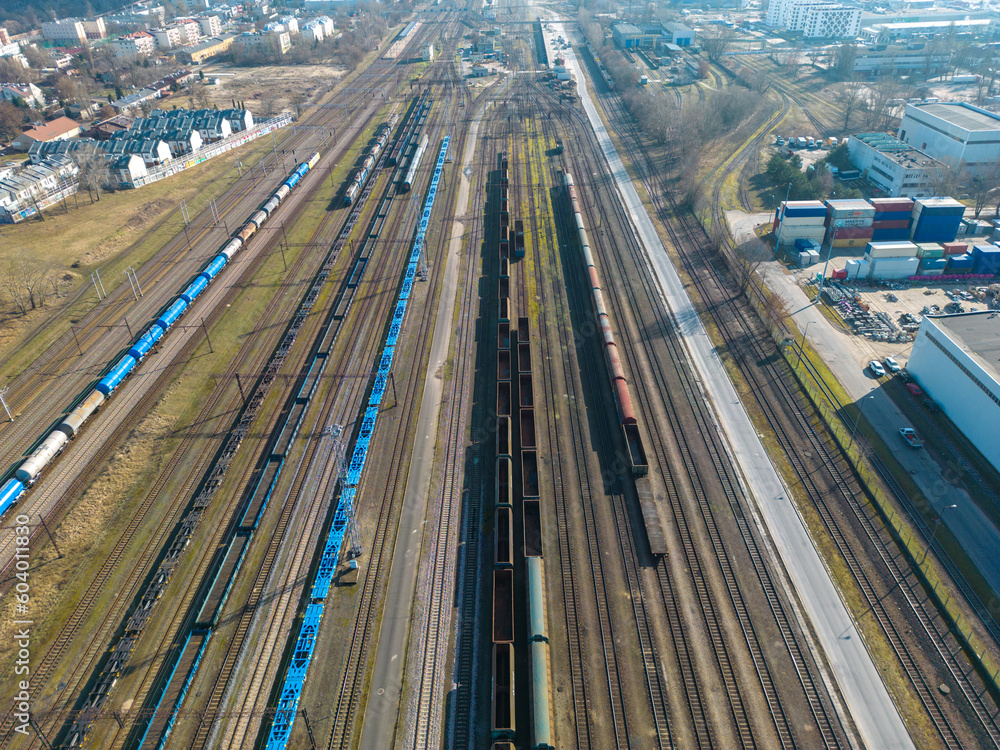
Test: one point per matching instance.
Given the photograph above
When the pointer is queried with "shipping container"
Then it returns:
(891, 249)
(960, 263)
(892, 204)
(890, 223)
(863, 221)
(803, 221)
(938, 207)
(851, 233)
(849, 208)
(930, 250)
(859, 242)
(936, 263)
(890, 235)
(857, 269)
(803, 208)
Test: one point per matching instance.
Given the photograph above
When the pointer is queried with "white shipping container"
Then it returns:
(891, 250)
(883, 266)
(857, 269)
(814, 255)
(802, 221)
(805, 259)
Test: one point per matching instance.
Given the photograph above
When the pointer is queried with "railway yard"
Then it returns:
(411, 445)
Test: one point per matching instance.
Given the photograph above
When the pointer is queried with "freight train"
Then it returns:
(516, 422)
(411, 173)
(371, 158)
(53, 443)
(623, 401)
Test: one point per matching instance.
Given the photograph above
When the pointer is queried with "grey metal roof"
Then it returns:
(978, 334)
(962, 116)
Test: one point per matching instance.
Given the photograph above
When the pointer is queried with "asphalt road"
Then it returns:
(972, 528)
(867, 699)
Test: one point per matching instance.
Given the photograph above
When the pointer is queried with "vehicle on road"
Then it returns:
(892, 364)
(930, 406)
(910, 436)
(876, 368)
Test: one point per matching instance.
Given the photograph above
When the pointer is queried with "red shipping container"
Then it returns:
(841, 274)
(891, 204)
(852, 233)
(896, 224)
(955, 248)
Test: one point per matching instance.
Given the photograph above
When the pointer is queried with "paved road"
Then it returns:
(973, 529)
(383, 709)
(873, 711)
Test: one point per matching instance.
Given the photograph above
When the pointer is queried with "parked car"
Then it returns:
(930, 406)
(876, 368)
(892, 364)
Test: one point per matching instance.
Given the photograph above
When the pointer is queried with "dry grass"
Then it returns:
(71, 242)
(261, 89)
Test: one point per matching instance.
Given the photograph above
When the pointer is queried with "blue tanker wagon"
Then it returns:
(52, 444)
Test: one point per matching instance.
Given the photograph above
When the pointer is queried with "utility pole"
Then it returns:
(3, 400)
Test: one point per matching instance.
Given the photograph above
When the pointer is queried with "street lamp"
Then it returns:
(937, 523)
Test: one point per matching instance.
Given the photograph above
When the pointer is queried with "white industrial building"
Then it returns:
(956, 360)
(815, 18)
(896, 168)
(953, 132)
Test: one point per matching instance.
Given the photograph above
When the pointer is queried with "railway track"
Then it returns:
(173, 268)
(686, 236)
(737, 704)
(81, 612)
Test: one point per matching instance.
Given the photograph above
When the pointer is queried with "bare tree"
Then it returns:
(747, 257)
(983, 185)
(851, 98)
(11, 120)
(717, 43)
(23, 281)
(844, 60)
(879, 114)
(11, 71)
(94, 173)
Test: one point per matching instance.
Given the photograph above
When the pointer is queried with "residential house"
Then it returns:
(59, 129)
(28, 92)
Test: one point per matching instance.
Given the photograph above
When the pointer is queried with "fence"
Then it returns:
(214, 149)
(12, 215)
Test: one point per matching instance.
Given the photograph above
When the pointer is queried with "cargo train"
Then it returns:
(623, 401)
(411, 173)
(370, 160)
(56, 440)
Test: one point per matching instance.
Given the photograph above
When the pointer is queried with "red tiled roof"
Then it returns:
(59, 126)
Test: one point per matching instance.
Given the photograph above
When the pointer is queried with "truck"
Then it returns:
(910, 436)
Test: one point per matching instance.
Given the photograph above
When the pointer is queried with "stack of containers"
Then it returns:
(986, 259)
(801, 220)
(930, 253)
(891, 260)
(849, 222)
(891, 222)
(936, 219)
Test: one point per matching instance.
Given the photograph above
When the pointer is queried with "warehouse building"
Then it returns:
(901, 61)
(953, 132)
(630, 36)
(896, 168)
(956, 360)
